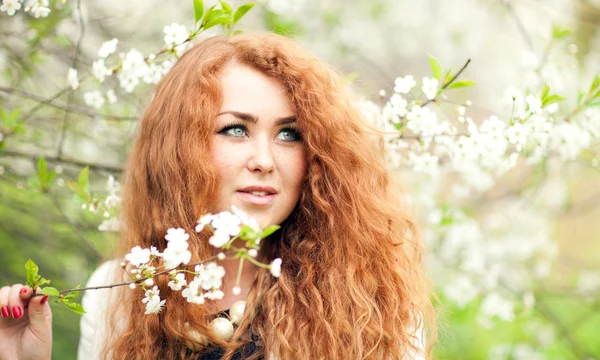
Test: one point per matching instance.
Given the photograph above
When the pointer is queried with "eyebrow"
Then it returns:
(254, 119)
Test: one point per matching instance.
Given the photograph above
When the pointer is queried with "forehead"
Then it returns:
(248, 90)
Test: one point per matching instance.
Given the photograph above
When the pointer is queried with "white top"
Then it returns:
(93, 322)
(93, 332)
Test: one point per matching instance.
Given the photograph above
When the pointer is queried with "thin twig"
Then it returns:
(101, 167)
(445, 86)
(97, 255)
(524, 34)
(564, 331)
(63, 132)
(126, 283)
(71, 108)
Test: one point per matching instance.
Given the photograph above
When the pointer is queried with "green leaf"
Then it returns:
(226, 7)
(551, 99)
(50, 291)
(559, 33)
(198, 9)
(221, 19)
(594, 104)
(84, 177)
(70, 296)
(43, 281)
(268, 231)
(461, 84)
(281, 26)
(74, 307)
(595, 84)
(241, 11)
(447, 77)
(42, 170)
(32, 273)
(545, 92)
(436, 68)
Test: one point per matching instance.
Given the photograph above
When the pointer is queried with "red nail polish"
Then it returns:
(17, 313)
(23, 291)
(44, 299)
(5, 312)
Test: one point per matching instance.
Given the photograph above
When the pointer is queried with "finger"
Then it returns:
(25, 294)
(15, 304)
(40, 318)
(5, 310)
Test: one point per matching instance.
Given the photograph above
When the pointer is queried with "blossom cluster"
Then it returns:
(476, 256)
(144, 264)
(37, 8)
(132, 67)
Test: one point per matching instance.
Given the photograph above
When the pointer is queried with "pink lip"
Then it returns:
(269, 190)
(256, 199)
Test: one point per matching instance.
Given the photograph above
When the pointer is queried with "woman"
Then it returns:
(254, 121)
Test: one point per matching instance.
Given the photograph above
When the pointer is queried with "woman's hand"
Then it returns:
(25, 325)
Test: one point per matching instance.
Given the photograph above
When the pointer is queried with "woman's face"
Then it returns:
(256, 148)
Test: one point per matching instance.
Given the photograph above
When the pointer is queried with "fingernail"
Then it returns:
(23, 291)
(44, 299)
(17, 313)
(5, 312)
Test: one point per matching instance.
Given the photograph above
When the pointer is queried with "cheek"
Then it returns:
(223, 161)
(296, 169)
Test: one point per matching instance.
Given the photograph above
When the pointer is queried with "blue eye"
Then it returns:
(234, 130)
(290, 134)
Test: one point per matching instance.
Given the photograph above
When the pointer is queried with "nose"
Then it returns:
(261, 158)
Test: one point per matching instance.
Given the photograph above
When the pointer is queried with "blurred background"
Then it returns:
(513, 241)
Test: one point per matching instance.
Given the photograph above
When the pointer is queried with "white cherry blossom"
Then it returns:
(430, 87)
(403, 85)
(138, 256)
(108, 48)
(275, 267)
(94, 99)
(10, 6)
(178, 282)
(72, 79)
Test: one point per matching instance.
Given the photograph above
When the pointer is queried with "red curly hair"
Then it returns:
(351, 285)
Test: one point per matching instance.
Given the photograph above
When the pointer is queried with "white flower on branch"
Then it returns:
(111, 97)
(94, 99)
(152, 300)
(203, 221)
(211, 275)
(175, 34)
(219, 238)
(100, 71)
(275, 267)
(430, 87)
(177, 282)
(405, 84)
(534, 104)
(177, 252)
(107, 48)
(39, 8)
(10, 6)
(227, 222)
(112, 224)
(193, 293)
(72, 79)
(138, 256)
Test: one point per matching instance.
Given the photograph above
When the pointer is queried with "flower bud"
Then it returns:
(236, 290)
(149, 282)
(132, 286)
(253, 252)
(221, 256)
